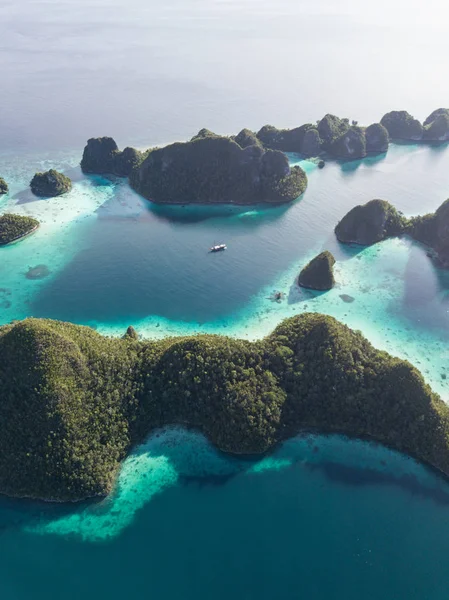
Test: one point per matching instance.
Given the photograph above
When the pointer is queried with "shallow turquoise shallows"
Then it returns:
(322, 518)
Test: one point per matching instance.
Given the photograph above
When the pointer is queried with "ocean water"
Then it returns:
(322, 517)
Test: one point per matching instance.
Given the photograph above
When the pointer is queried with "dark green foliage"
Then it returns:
(370, 223)
(99, 155)
(377, 139)
(270, 136)
(433, 230)
(402, 126)
(246, 138)
(287, 140)
(14, 227)
(331, 128)
(3, 187)
(436, 126)
(126, 161)
(204, 133)
(49, 184)
(351, 145)
(214, 169)
(318, 274)
(73, 403)
(102, 156)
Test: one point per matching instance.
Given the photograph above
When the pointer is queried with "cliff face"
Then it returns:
(102, 156)
(433, 230)
(351, 145)
(370, 223)
(436, 126)
(318, 274)
(214, 169)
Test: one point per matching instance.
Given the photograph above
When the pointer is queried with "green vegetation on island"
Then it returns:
(370, 223)
(213, 169)
(433, 230)
(377, 139)
(377, 220)
(102, 156)
(74, 403)
(15, 227)
(318, 274)
(49, 184)
(3, 187)
(436, 126)
(402, 126)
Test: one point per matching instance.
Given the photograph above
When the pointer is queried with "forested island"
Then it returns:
(378, 220)
(50, 184)
(210, 169)
(74, 403)
(318, 274)
(15, 227)
(250, 167)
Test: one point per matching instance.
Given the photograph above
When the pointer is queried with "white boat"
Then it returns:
(218, 248)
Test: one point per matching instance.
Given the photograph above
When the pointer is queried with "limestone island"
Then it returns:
(378, 220)
(15, 227)
(212, 169)
(75, 403)
(402, 126)
(370, 223)
(50, 184)
(102, 156)
(318, 274)
(331, 135)
(3, 187)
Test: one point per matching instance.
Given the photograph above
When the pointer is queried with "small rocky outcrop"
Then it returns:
(3, 187)
(131, 333)
(377, 139)
(330, 129)
(212, 170)
(50, 184)
(318, 274)
(402, 126)
(436, 126)
(351, 145)
(370, 223)
(433, 230)
(247, 138)
(101, 156)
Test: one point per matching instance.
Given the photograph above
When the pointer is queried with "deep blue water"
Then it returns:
(324, 519)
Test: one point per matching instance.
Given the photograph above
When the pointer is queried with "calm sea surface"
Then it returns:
(322, 518)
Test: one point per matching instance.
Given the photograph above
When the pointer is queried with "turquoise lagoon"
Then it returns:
(116, 260)
(321, 517)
